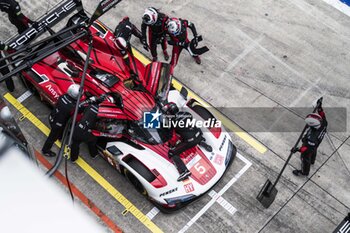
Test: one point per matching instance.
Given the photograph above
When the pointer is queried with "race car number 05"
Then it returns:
(200, 169)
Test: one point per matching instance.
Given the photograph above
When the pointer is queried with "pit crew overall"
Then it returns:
(311, 140)
(156, 34)
(126, 29)
(181, 41)
(190, 137)
(9, 82)
(58, 119)
(83, 132)
(16, 17)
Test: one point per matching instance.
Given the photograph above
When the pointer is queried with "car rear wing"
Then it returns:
(47, 21)
(158, 79)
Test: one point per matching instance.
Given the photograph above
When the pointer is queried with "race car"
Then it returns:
(136, 148)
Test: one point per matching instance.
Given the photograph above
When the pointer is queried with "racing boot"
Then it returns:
(49, 153)
(184, 175)
(206, 146)
(166, 55)
(197, 59)
(297, 172)
(155, 59)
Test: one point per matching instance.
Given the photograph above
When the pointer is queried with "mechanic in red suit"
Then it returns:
(156, 22)
(123, 32)
(126, 29)
(313, 137)
(4, 69)
(16, 17)
(177, 29)
(190, 137)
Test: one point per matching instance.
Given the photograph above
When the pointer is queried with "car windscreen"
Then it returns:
(107, 79)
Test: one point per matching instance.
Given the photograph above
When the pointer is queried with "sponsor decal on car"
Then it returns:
(189, 187)
(168, 192)
(52, 91)
(48, 21)
(219, 159)
(222, 143)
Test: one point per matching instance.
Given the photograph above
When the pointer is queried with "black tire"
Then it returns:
(203, 112)
(143, 171)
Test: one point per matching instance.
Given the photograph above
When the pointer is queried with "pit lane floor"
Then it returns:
(269, 54)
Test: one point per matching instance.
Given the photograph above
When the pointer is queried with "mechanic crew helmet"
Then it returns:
(313, 120)
(73, 91)
(170, 108)
(5, 114)
(150, 16)
(174, 26)
(120, 43)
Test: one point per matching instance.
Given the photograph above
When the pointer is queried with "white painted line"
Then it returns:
(225, 204)
(339, 6)
(152, 213)
(220, 193)
(24, 96)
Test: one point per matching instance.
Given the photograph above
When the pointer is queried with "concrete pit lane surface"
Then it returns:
(263, 54)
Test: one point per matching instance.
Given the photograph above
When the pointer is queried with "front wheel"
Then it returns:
(137, 184)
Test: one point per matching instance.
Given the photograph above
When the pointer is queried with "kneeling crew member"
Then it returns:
(312, 139)
(59, 118)
(83, 130)
(190, 137)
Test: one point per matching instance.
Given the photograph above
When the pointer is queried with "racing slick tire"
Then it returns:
(143, 171)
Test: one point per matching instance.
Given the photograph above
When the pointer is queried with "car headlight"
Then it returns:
(229, 152)
(180, 199)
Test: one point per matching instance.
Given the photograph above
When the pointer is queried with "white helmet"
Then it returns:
(120, 43)
(174, 26)
(313, 120)
(150, 16)
(73, 91)
(5, 114)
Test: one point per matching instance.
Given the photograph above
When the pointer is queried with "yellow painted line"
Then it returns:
(129, 207)
(226, 121)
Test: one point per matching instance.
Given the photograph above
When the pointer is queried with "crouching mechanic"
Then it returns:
(83, 129)
(177, 29)
(126, 29)
(121, 44)
(16, 17)
(59, 117)
(190, 137)
(311, 140)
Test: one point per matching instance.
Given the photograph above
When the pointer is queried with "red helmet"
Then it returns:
(120, 43)
(313, 120)
(174, 26)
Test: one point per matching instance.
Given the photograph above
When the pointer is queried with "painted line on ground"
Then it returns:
(225, 204)
(25, 96)
(152, 213)
(219, 194)
(86, 201)
(225, 120)
(342, 7)
(129, 207)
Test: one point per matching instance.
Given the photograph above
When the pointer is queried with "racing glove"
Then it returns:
(294, 150)
(144, 42)
(182, 44)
